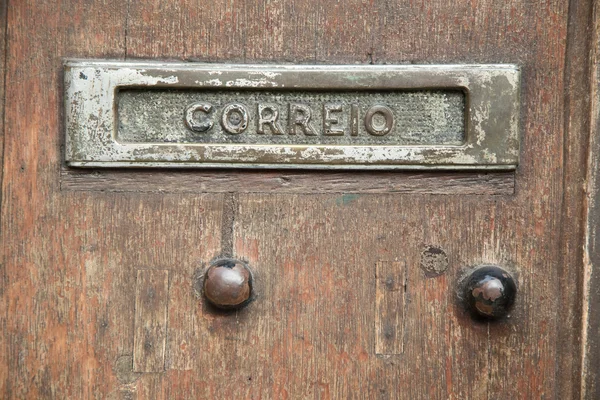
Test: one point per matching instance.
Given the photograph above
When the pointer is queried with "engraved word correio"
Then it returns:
(236, 117)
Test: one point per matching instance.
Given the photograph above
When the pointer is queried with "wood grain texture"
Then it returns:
(57, 308)
(316, 307)
(150, 327)
(70, 255)
(570, 265)
(70, 258)
(390, 293)
(591, 244)
(3, 274)
(278, 182)
(446, 354)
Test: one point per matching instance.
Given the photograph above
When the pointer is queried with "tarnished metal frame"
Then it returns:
(492, 115)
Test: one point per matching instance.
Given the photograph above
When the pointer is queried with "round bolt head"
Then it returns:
(489, 292)
(228, 284)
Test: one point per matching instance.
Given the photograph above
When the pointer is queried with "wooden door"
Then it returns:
(100, 268)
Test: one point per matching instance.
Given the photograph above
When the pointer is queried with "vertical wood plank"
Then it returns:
(68, 258)
(579, 89)
(150, 335)
(3, 277)
(389, 307)
(58, 273)
(591, 245)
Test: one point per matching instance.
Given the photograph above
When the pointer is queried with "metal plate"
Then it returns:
(145, 114)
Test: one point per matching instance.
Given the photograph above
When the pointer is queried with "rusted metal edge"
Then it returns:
(492, 115)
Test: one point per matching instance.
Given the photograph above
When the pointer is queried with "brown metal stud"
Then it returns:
(228, 284)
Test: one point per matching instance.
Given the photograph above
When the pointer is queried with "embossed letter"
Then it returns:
(382, 129)
(299, 116)
(234, 119)
(354, 120)
(329, 120)
(268, 115)
(193, 122)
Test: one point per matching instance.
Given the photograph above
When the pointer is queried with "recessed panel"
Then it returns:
(291, 117)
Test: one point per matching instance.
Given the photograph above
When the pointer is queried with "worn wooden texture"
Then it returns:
(227, 181)
(390, 302)
(150, 325)
(314, 255)
(591, 243)
(570, 266)
(318, 309)
(3, 275)
(70, 255)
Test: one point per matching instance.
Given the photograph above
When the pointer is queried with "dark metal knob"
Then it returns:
(228, 284)
(489, 292)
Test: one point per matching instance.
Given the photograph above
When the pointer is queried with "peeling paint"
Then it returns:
(210, 82)
(243, 83)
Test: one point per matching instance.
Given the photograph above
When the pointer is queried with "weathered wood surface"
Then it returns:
(70, 256)
(570, 266)
(227, 181)
(390, 302)
(150, 326)
(3, 274)
(591, 243)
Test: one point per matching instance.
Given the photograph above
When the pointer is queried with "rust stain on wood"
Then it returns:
(150, 333)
